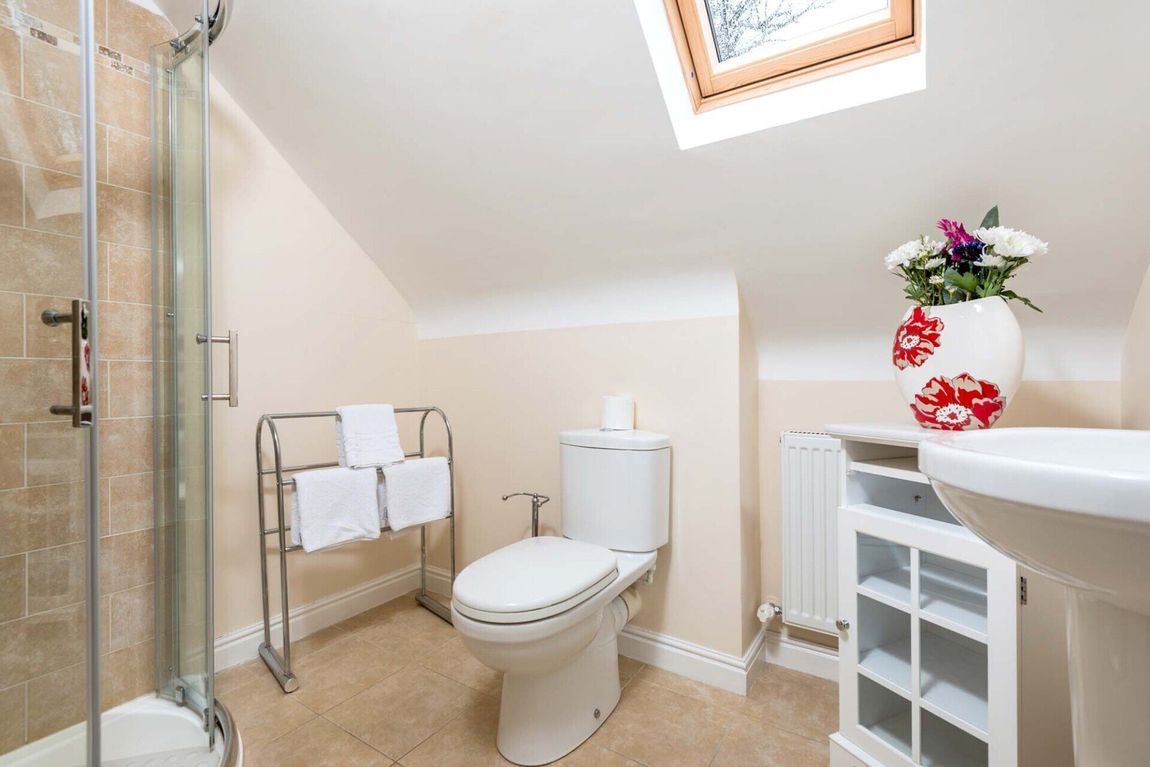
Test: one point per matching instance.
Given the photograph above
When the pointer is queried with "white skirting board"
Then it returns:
(800, 655)
(243, 645)
(728, 672)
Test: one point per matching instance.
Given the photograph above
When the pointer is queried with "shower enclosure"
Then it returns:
(106, 341)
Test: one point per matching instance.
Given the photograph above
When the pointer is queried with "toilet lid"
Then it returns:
(533, 579)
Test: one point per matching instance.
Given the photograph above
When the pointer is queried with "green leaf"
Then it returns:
(966, 282)
(1012, 295)
(990, 219)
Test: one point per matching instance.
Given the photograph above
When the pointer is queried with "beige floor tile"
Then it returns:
(455, 661)
(467, 741)
(319, 743)
(342, 670)
(712, 696)
(628, 669)
(263, 712)
(657, 727)
(403, 710)
(590, 754)
(800, 703)
(754, 743)
(231, 679)
(406, 625)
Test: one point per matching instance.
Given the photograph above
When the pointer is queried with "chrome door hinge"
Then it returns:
(1022, 589)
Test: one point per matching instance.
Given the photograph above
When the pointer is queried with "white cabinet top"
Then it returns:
(899, 434)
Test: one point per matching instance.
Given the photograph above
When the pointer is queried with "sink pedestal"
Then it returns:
(1110, 681)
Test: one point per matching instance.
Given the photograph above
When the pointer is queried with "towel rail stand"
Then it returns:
(280, 663)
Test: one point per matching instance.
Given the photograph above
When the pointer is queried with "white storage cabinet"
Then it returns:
(928, 632)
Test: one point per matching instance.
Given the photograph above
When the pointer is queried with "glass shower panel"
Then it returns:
(183, 320)
(45, 493)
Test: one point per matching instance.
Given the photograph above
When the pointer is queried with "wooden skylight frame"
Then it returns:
(900, 35)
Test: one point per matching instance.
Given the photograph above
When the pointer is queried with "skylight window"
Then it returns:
(734, 49)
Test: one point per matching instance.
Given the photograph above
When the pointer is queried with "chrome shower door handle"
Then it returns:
(81, 407)
(232, 339)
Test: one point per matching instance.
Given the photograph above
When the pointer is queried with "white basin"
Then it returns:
(1073, 504)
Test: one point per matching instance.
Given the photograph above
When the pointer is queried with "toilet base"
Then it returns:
(544, 717)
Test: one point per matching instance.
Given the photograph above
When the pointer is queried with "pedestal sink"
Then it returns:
(1073, 504)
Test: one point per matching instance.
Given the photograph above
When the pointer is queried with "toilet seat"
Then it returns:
(533, 579)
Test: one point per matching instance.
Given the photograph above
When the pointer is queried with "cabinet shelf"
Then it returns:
(952, 599)
(895, 468)
(895, 732)
(891, 587)
(889, 665)
(954, 682)
(944, 745)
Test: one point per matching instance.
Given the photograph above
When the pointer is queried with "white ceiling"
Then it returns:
(500, 155)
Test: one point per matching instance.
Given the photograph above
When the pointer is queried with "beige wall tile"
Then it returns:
(122, 101)
(12, 578)
(52, 75)
(11, 192)
(125, 446)
(37, 517)
(64, 13)
(47, 138)
(52, 201)
(11, 718)
(56, 577)
(133, 29)
(125, 561)
(130, 390)
(124, 216)
(9, 61)
(55, 453)
(128, 673)
(53, 702)
(11, 456)
(11, 325)
(29, 387)
(129, 160)
(43, 340)
(129, 274)
(130, 503)
(132, 617)
(126, 331)
(39, 262)
(39, 644)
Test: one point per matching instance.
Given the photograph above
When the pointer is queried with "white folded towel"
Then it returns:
(418, 491)
(334, 506)
(366, 435)
(381, 495)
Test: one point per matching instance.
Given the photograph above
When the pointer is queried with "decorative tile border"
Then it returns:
(51, 34)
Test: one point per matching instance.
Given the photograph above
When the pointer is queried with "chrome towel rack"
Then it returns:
(280, 663)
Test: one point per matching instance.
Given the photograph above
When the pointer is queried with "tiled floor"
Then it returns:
(396, 686)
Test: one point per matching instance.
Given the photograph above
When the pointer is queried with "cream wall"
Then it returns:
(1136, 363)
(811, 405)
(510, 394)
(319, 326)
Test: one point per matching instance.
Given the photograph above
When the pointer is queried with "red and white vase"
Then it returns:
(958, 366)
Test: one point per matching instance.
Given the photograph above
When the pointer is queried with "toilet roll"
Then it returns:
(618, 413)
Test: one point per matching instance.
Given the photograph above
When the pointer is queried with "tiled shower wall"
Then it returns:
(41, 460)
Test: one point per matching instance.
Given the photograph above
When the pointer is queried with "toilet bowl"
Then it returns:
(553, 637)
(548, 611)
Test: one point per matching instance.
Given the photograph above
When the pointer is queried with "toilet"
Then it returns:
(547, 611)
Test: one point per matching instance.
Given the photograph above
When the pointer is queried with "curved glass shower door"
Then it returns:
(181, 223)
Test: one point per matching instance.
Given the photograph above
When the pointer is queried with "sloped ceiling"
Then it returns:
(481, 152)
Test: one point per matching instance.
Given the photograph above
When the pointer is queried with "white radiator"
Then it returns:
(812, 467)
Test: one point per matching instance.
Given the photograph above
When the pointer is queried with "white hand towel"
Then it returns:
(381, 494)
(418, 491)
(334, 506)
(366, 435)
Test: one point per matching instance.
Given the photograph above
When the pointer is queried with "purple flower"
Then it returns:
(955, 232)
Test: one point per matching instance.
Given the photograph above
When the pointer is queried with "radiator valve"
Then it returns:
(769, 611)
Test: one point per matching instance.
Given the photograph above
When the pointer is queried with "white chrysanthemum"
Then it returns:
(1011, 243)
(902, 255)
(936, 279)
(914, 251)
(990, 259)
(934, 263)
